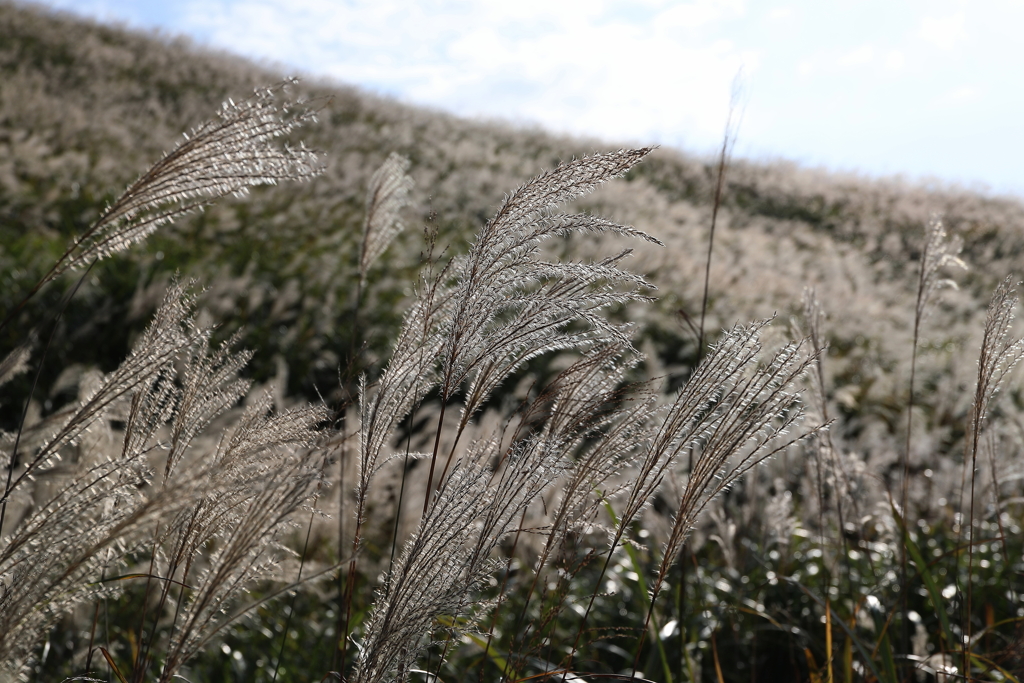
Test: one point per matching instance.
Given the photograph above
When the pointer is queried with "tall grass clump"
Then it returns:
(156, 479)
(505, 493)
(136, 480)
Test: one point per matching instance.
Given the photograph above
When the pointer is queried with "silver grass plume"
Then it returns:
(410, 374)
(221, 157)
(508, 306)
(480, 318)
(940, 251)
(15, 363)
(603, 425)
(835, 474)
(387, 195)
(153, 354)
(56, 556)
(1000, 352)
(488, 312)
(210, 386)
(734, 412)
(443, 566)
(605, 428)
(262, 474)
(53, 556)
(388, 192)
(748, 420)
(103, 507)
(721, 391)
(445, 562)
(751, 418)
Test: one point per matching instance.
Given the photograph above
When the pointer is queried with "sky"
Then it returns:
(930, 91)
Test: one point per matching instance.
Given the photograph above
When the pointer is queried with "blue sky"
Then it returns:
(927, 90)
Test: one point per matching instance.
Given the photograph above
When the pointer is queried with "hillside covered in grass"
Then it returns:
(86, 108)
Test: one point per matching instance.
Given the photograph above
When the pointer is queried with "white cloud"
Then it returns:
(828, 84)
(692, 15)
(597, 68)
(959, 95)
(894, 60)
(944, 32)
(862, 55)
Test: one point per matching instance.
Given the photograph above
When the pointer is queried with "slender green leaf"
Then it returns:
(888, 662)
(938, 603)
(645, 596)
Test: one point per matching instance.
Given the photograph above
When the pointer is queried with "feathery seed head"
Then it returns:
(222, 157)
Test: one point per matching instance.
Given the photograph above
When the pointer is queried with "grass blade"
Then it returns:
(934, 593)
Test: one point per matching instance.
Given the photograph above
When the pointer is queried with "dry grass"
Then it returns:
(516, 480)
